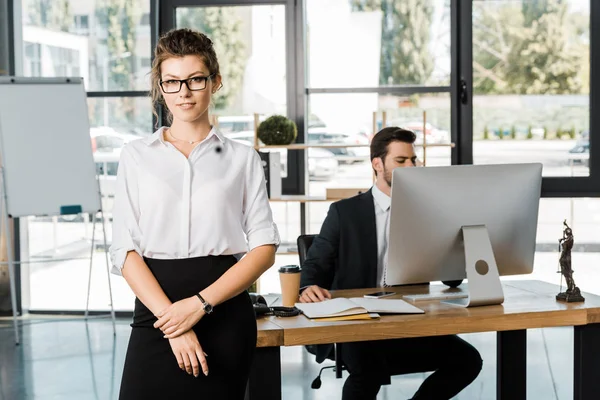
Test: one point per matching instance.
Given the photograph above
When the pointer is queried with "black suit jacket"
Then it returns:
(344, 256)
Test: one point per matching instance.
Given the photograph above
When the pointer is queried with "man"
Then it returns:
(349, 253)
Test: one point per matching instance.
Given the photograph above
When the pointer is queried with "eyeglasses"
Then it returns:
(194, 83)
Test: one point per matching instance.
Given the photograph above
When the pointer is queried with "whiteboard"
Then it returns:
(45, 146)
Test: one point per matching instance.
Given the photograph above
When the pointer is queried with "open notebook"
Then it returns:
(341, 307)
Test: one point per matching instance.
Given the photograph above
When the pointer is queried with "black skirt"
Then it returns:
(228, 336)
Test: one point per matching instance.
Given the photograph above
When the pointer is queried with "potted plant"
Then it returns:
(277, 130)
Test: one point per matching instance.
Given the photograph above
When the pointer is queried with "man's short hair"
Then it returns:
(381, 140)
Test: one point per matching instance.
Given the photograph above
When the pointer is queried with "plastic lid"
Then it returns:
(286, 269)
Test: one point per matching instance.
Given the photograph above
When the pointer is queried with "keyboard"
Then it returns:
(435, 296)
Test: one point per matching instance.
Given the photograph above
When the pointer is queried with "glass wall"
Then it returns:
(531, 84)
(378, 63)
(108, 44)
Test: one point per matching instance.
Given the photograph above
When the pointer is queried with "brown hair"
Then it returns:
(180, 43)
(382, 139)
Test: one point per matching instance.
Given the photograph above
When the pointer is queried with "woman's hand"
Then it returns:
(180, 317)
(189, 354)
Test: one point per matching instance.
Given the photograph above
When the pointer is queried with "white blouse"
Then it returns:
(168, 206)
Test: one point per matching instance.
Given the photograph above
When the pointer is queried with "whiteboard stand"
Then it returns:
(58, 175)
(87, 303)
(11, 261)
(9, 254)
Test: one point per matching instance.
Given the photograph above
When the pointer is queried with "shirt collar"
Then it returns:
(381, 199)
(158, 135)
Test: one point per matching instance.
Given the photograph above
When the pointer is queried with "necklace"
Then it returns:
(180, 140)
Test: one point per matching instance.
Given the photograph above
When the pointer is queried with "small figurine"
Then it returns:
(572, 294)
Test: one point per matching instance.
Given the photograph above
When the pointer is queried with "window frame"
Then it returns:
(462, 113)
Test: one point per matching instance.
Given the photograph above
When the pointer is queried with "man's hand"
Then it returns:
(189, 354)
(314, 294)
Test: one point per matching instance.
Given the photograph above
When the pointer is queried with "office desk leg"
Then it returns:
(587, 362)
(511, 380)
(264, 382)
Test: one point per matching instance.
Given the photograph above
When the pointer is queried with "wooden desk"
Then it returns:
(527, 305)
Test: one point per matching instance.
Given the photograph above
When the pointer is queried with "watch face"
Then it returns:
(208, 308)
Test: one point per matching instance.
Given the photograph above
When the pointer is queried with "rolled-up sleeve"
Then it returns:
(258, 219)
(126, 234)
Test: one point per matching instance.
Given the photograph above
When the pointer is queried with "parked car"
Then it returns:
(580, 153)
(240, 123)
(106, 139)
(322, 163)
(434, 135)
(346, 155)
(584, 138)
(107, 164)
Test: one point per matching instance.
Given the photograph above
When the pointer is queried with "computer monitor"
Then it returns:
(471, 221)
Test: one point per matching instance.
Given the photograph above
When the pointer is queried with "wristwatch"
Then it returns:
(205, 305)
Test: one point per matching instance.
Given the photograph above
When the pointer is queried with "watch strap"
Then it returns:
(207, 307)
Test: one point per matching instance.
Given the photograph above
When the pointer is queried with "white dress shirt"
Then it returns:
(382, 203)
(168, 206)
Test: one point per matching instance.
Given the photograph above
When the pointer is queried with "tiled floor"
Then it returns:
(75, 360)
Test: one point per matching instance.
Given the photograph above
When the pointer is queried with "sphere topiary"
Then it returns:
(277, 130)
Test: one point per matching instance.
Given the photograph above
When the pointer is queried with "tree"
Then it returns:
(405, 37)
(543, 61)
(513, 132)
(533, 49)
(486, 133)
(529, 133)
(534, 10)
(120, 18)
(51, 14)
(572, 133)
(223, 26)
(559, 133)
(492, 41)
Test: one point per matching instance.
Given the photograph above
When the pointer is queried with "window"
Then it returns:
(100, 168)
(81, 22)
(378, 43)
(62, 62)
(250, 42)
(375, 58)
(33, 62)
(107, 57)
(111, 168)
(112, 55)
(531, 84)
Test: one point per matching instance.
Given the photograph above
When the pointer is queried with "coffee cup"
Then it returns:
(289, 276)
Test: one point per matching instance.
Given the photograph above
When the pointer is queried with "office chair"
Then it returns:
(304, 243)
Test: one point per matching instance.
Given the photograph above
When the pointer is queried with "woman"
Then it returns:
(189, 203)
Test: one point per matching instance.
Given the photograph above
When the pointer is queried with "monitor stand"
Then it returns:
(482, 272)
